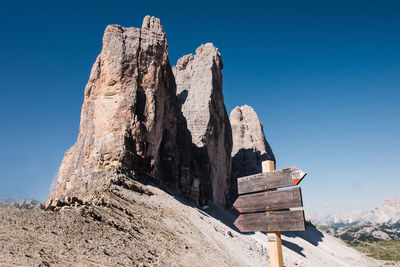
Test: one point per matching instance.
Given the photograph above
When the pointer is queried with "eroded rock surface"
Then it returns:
(200, 100)
(128, 119)
(250, 147)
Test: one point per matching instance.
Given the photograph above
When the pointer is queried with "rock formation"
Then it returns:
(133, 128)
(250, 147)
(128, 119)
(200, 100)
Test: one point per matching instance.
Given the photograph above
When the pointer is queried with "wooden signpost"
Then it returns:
(270, 180)
(272, 200)
(266, 209)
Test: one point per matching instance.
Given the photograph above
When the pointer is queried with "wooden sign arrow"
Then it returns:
(271, 221)
(272, 200)
(270, 180)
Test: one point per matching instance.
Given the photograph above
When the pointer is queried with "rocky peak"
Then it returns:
(250, 147)
(152, 23)
(128, 119)
(249, 132)
(387, 214)
(201, 103)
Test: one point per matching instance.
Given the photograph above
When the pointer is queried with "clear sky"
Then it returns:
(323, 76)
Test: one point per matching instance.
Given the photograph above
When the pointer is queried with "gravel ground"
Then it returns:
(152, 228)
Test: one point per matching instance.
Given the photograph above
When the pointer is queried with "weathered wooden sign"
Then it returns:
(262, 208)
(271, 221)
(272, 200)
(270, 180)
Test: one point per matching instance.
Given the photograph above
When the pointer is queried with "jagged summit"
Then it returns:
(205, 50)
(387, 214)
(152, 23)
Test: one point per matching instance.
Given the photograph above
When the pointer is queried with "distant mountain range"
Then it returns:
(387, 214)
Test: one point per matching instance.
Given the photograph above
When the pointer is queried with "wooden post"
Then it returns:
(274, 238)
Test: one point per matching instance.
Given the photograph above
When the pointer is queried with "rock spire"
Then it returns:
(128, 119)
(201, 103)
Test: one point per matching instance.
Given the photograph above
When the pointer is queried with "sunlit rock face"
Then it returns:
(202, 109)
(128, 119)
(250, 147)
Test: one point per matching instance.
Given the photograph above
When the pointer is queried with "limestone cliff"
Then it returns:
(128, 119)
(201, 103)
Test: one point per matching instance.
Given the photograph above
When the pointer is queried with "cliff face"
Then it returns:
(201, 105)
(128, 119)
(250, 147)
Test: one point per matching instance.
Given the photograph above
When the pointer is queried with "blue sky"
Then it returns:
(323, 76)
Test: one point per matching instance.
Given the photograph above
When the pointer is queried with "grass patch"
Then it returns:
(381, 250)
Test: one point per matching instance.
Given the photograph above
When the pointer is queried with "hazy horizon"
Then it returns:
(323, 78)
